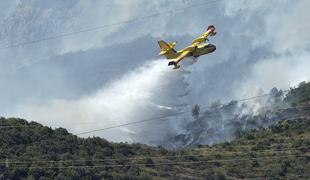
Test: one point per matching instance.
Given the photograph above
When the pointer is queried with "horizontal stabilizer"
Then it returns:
(163, 45)
(172, 44)
(166, 46)
(167, 49)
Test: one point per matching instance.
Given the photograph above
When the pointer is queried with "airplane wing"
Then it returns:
(179, 58)
(204, 37)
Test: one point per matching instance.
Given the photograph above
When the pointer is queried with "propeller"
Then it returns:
(212, 29)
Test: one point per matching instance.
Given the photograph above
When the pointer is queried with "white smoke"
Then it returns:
(260, 44)
(284, 72)
(131, 98)
(285, 33)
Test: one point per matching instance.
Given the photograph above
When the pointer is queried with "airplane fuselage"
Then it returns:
(204, 49)
(200, 50)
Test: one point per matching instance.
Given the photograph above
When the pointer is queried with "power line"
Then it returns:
(179, 156)
(165, 163)
(290, 119)
(148, 120)
(154, 118)
(210, 152)
(160, 117)
(298, 117)
(33, 143)
(109, 25)
(203, 154)
(284, 149)
(263, 95)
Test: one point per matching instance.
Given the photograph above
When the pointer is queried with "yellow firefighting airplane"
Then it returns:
(196, 49)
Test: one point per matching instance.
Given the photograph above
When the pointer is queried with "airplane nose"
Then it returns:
(214, 47)
(211, 47)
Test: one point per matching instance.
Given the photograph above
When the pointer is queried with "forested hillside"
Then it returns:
(32, 151)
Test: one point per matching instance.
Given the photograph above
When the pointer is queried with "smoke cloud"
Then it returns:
(285, 33)
(133, 97)
(70, 80)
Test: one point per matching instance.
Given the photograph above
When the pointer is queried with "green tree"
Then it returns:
(196, 111)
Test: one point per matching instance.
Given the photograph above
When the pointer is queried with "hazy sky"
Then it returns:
(113, 75)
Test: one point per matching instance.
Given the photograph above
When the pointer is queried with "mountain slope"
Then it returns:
(32, 151)
(224, 122)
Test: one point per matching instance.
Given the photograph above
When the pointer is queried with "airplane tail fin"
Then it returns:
(167, 49)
